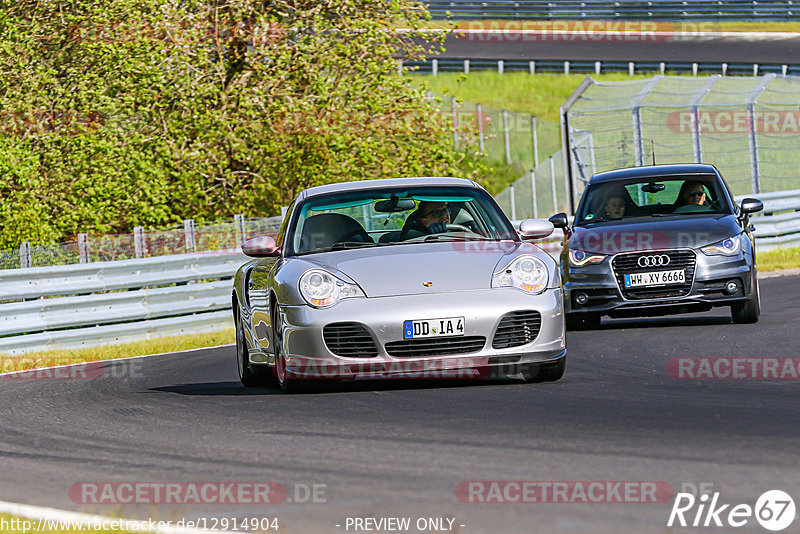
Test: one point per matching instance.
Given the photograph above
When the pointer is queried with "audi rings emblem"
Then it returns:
(656, 260)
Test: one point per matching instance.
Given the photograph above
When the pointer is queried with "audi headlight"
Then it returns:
(322, 289)
(579, 258)
(526, 273)
(726, 247)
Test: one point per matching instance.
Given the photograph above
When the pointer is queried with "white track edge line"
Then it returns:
(28, 371)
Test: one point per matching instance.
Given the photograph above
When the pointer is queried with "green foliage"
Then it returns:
(146, 112)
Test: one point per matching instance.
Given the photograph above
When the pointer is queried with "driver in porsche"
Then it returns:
(428, 218)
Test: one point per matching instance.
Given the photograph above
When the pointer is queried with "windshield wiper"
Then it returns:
(436, 237)
(353, 244)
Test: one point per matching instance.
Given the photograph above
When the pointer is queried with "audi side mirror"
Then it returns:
(261, 247)
(751, 205)
(559, 220)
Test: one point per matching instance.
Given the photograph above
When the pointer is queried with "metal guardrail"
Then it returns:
(779, 227)
(437, 65)
(670, 10)
(115, 302)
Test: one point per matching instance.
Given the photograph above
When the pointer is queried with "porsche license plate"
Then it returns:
(658, 278)
(449, 326)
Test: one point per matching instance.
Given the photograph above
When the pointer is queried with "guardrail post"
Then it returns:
(400, 68)
(505, 133)
(454, 111)
(532, 67)
(535, 142)
(597, 66)
(513, 202)
(566, 67)
(188, 230)
(238, 220)
(138, 241)
(25, 255)
(533, 194)
(662, 67)
(479, 112)
(83, 248)
(724, 69)
(631, 68)
(501, 66)
(553, 183)
(466, 66)
(434, 67)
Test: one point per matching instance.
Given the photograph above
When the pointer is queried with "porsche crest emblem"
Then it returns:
(427, 284)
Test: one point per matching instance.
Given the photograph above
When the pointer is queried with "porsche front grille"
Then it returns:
(438, 346)
(349, 340)
(517, 328)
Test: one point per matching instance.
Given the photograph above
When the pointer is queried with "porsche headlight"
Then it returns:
(726, 247)
(579, 258)
(526, 273)
(322, 289)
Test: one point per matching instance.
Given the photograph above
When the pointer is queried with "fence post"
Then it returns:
(553, 183)
(188, 230)
(508, 140)
(238, 221)
(533, 194)
(455, 121)
(535, 142)
(752, 137)
(513, 202)
(25, 255)
(479, 111)
(83, 247)
(138, 241)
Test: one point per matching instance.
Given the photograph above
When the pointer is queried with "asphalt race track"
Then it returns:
(715, 50)
(400, 449)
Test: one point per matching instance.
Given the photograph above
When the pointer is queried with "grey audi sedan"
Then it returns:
(659, 240)
(398, 278)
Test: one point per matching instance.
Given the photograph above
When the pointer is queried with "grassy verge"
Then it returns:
(20, 525)
(111, 352)
(540, 95)
(773, 260)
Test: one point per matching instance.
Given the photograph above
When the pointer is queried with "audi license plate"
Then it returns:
(449, 326)
(658, 278)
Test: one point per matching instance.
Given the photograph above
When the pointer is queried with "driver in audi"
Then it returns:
(429, 218)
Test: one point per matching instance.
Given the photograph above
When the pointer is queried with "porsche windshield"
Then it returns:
(384, 217)
(662, 196)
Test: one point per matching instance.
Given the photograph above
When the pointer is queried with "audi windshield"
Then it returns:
(660, 196)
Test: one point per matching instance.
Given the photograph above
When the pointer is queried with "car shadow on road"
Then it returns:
(234, 388)
(661, 322)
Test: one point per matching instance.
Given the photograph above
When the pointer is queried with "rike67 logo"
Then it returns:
(774, 510)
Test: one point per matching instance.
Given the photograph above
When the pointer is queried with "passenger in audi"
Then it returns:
(614, 206)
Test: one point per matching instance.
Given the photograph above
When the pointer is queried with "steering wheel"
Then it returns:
(458, 228)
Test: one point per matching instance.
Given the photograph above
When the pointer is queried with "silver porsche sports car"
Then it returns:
(398, 278)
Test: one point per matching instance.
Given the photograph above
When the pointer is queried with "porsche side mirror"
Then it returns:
(535, 228)
(751, 205)
(559, 220)
(261, 247)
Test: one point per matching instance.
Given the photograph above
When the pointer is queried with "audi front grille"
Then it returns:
(645, 262)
